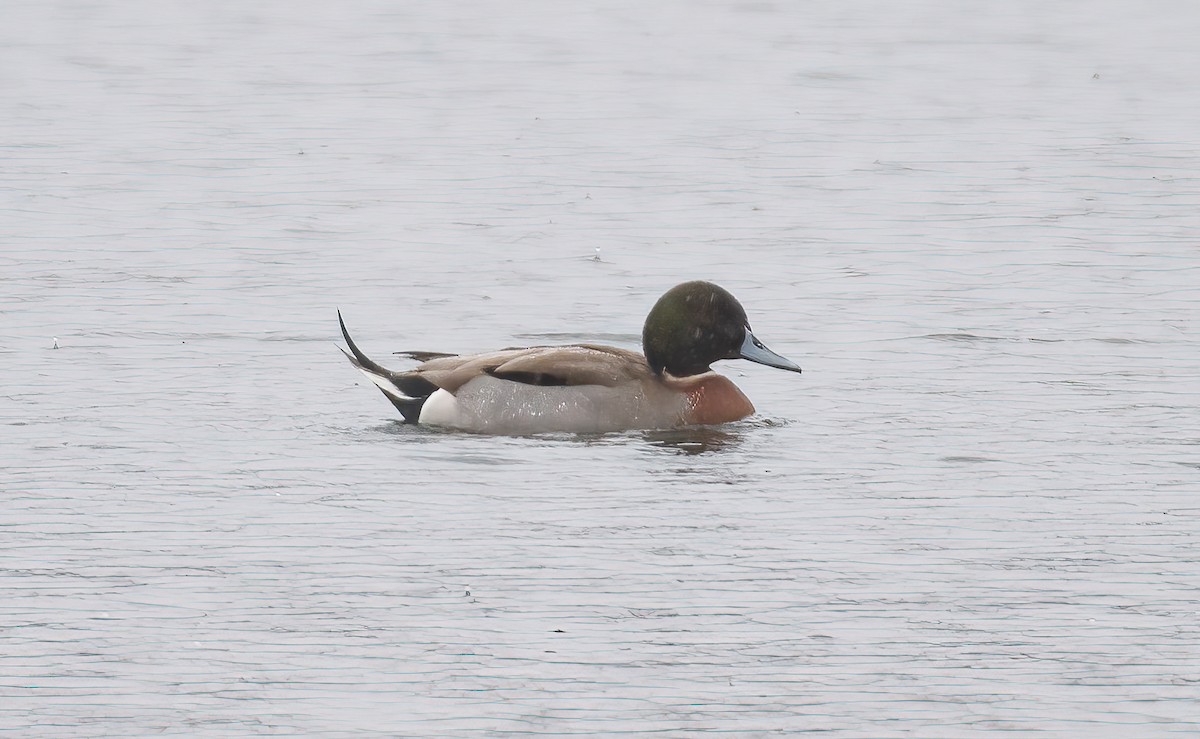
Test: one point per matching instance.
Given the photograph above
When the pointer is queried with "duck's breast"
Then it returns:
(713, 399)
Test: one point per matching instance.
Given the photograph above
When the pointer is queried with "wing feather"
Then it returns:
(548, 365)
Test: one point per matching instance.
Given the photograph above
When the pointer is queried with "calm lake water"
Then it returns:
(975, 225)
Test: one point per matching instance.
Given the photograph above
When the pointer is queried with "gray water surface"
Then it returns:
(974, 225)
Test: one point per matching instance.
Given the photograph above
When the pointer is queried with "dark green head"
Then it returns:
(697, 323)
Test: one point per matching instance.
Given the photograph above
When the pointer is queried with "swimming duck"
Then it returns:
(587, 388)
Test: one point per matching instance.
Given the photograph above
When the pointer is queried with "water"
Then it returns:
(974, 226)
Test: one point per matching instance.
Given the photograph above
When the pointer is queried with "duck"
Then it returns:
(588, 388)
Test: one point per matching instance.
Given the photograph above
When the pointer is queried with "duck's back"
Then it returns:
(544, 366)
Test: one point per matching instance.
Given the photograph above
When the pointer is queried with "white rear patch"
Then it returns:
(440, 409)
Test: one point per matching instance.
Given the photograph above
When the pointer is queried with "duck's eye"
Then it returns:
(754, 339)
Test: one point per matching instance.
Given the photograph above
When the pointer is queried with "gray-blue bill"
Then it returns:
(756, 351)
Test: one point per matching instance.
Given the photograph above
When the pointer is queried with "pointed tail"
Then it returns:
(382, 378)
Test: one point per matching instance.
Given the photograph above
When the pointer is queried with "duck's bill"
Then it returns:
(756, 351)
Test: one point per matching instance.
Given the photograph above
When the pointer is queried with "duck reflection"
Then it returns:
(695, 439)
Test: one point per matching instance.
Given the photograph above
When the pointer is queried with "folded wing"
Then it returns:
(546, 365)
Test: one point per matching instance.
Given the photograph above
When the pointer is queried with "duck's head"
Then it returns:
(697, 323)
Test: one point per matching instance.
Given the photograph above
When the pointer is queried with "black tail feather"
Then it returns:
(360, 360)
(410, 409)
(409, 393)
